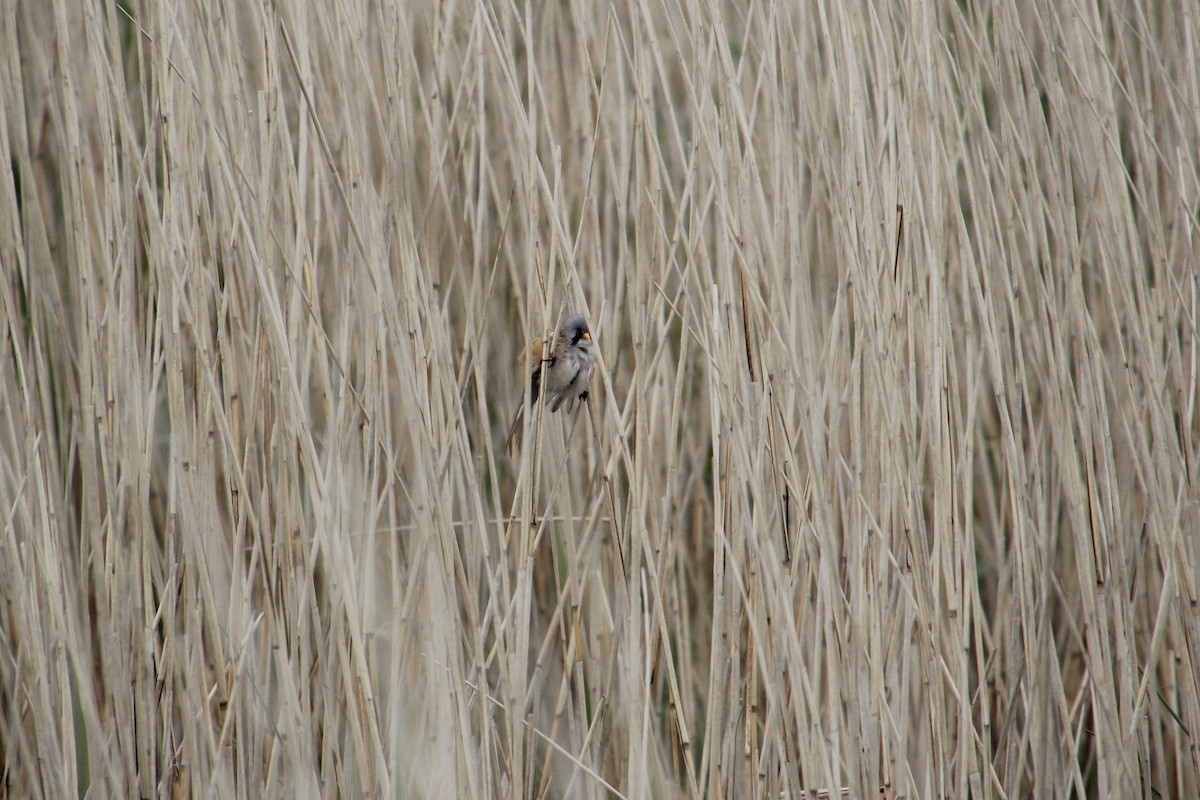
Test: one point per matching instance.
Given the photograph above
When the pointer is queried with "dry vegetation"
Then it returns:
(888, 480)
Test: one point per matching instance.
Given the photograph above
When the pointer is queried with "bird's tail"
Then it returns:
(514, 430)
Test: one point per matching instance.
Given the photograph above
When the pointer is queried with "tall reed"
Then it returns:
(887, 481)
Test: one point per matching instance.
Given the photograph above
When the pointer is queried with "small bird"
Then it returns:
(568, 371)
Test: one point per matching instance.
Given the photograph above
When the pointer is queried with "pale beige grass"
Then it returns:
(888, 481)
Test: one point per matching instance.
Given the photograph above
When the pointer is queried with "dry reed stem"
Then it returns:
(887, 484)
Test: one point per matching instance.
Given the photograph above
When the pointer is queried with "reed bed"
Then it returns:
(886, 486)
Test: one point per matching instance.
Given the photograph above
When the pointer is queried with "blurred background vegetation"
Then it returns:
(887, 482)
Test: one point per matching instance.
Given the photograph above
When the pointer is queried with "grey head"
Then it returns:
(575, 332)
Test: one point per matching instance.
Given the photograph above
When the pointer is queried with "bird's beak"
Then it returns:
(587, 335)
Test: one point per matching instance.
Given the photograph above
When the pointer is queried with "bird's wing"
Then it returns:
(532, 357)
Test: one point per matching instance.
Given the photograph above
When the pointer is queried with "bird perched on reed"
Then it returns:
(564, 375)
